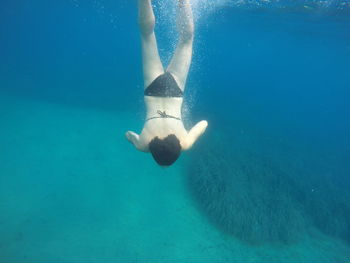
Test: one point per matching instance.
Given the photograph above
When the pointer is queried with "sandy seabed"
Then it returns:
(72, 189)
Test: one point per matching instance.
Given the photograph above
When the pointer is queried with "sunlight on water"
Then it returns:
(207, 6)
(204, 8)
(201, 7)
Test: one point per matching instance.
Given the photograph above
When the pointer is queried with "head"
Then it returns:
(166, 151)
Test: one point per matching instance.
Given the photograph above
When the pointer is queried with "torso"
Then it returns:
(162, 127)
(172, 106)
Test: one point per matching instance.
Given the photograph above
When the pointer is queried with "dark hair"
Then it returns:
(165, 152)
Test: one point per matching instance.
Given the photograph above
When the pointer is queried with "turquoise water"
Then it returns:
(268, 182)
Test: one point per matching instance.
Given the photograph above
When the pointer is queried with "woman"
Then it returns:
(164, 134)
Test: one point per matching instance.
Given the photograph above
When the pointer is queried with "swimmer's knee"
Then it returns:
(186, 31)
(147, 25)
(187, 35)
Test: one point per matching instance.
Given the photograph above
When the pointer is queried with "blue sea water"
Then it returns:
(267, 182)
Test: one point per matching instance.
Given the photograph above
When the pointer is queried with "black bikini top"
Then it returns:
(164, 86)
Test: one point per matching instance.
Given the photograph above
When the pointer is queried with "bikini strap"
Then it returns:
(162, 114)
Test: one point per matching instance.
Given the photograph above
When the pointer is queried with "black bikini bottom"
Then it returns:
(164, 86)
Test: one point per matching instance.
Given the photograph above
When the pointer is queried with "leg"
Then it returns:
(152, 66)
(181, 61)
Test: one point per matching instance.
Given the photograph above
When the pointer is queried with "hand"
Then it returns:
(131, 136)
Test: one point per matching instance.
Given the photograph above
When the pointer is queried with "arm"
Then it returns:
(134, 139)
(195, 133)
